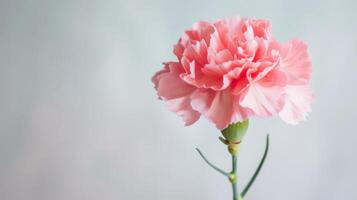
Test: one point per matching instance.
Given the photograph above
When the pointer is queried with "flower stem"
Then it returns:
(234, 178)
(233, 148)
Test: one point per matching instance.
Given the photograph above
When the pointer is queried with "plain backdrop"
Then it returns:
(80, 120)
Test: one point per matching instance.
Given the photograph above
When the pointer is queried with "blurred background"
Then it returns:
(80, 120)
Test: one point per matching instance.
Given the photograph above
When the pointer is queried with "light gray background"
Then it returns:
(79, 119)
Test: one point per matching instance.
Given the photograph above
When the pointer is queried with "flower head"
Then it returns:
(235, 69)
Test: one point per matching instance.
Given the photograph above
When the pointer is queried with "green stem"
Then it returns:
(233, 178)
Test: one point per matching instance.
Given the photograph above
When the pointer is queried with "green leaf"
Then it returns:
(212, 165)
(258, 169)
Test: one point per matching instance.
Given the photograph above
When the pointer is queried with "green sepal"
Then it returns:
(235, 132)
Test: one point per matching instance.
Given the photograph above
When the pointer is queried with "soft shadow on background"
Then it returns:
(79, 119)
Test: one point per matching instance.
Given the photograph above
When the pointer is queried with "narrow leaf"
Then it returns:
(258, 169)
(212, 165)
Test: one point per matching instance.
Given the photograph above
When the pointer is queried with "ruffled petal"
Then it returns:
(264, 99)
(217, 107)
(172, 89)
(240, 113)
(182, 107)
(168, 83)
(261, 28)
(227, 33)
(201, 31)
(298, 100)
(296, 62)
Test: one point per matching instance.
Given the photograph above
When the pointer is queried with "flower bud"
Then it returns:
(234, 133)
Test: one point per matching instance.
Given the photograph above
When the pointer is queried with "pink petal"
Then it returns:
(297, 103)
(197, 52)
(168, 83)
(223, 56)
(201, 31)
(264, 100)
(215, 106)
(240, 113)
(261, 28)
(296, 62)
(172, 89)
(227, 32)
(182, 107)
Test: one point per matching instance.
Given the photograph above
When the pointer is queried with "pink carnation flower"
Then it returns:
(234, 69)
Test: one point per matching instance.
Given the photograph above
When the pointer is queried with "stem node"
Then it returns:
(233, 178)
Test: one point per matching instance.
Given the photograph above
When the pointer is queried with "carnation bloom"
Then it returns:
(235, 69)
